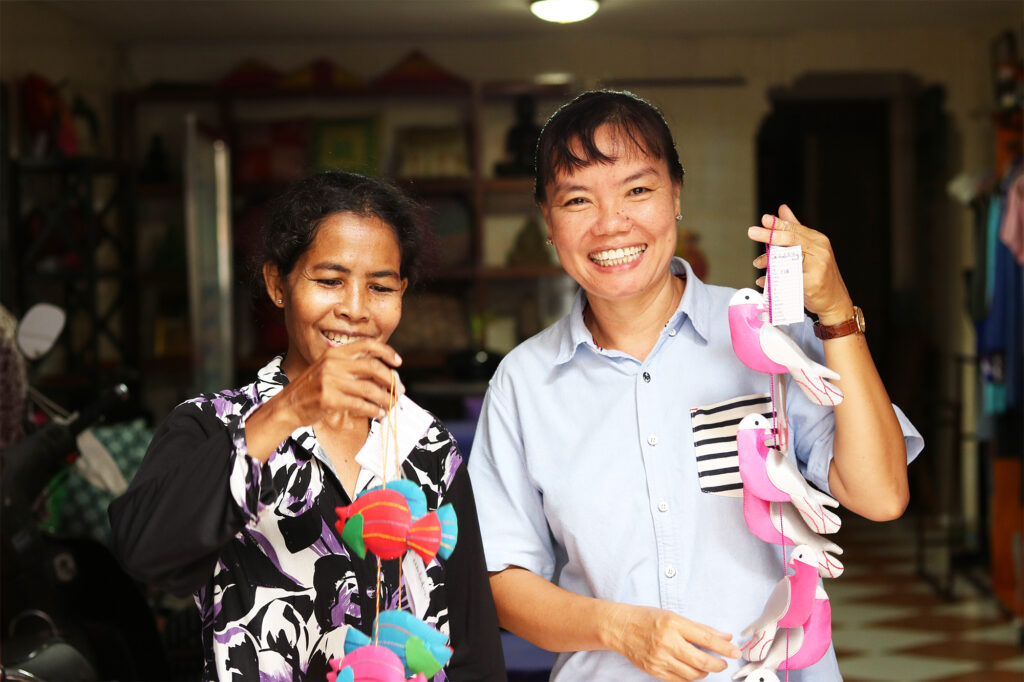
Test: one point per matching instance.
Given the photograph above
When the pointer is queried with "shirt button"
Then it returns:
(652, 439)
(647, 377)
(670, 572)
(672, 332)
(663, 506)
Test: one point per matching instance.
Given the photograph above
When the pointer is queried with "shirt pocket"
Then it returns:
(714, 441)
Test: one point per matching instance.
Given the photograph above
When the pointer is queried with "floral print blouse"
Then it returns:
(256, 544)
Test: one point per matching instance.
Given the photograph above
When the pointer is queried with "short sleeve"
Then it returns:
(510, 507)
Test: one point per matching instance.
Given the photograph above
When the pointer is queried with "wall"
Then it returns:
(714, 126)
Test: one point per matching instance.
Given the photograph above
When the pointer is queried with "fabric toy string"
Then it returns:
(775, 411)
(388, 444)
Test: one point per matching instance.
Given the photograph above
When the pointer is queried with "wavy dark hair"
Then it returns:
(578, 121)
(297, 214)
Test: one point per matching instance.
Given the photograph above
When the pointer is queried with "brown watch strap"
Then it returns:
(833, 331)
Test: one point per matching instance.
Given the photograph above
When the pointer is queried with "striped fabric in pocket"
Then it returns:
(714, 441)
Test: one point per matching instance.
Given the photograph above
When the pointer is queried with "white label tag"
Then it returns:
(786, 286)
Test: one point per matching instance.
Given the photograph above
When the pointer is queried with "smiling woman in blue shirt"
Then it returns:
(605, 538)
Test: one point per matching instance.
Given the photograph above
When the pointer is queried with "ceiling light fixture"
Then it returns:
(563, 11)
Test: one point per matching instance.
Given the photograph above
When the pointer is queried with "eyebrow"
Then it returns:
(649, 170)
(335, 267)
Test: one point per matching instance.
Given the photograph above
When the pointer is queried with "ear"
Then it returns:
(405, 285)
(274, 283)
(678, 202)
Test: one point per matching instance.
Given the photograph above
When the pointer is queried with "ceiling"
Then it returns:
(175, 21)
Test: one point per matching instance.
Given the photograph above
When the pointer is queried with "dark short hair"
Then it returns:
(296, 215)
(578, 121)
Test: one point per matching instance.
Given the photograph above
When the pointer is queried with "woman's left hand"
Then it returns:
(825, 294)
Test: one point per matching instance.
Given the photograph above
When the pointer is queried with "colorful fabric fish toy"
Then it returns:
(370, 663)
(388, 520)
(421, 648)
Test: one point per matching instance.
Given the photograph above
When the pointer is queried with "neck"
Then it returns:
(633, 325)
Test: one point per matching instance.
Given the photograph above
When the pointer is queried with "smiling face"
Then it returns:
(346, 286)
(613, 224)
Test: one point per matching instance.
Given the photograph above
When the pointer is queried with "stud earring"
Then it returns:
(280, 300)
(679, 217)
(548, 241)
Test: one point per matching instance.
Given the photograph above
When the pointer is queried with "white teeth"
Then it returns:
(618, 256)
(340, 339)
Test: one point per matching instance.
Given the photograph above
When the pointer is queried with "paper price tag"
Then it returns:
(786, 287)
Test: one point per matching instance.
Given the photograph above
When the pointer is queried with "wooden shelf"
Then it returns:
(215, 93)
(509, 186)
(519, 272)
(439, 185)
(472, 283)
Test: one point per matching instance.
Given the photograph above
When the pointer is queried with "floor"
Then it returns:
(890, 624)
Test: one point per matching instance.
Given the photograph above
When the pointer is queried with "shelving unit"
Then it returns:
(478, 284)
(69, 237)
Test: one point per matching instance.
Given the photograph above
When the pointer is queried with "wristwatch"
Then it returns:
(833, 331)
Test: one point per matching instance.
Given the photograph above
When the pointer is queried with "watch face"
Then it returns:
(859, 315)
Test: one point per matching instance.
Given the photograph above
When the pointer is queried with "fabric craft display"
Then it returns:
(780, 507)
(388, 521)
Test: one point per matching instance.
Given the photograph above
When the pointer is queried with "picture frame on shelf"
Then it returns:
(349, 144)
(271, 151)
(432, 152)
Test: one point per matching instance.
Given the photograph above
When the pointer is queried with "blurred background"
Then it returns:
(140, 142)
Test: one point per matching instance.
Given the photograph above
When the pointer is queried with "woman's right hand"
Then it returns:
(341, 388)
(344, 385)
(667, 646)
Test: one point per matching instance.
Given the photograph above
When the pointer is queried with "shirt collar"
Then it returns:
(694, 306)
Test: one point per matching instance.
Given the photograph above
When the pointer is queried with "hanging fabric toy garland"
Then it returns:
(780, 507)
(388, 520)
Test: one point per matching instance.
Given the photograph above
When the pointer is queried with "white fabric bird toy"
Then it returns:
(765, 348)
(771, 475)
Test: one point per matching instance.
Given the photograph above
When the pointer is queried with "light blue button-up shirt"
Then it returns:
(585, 473)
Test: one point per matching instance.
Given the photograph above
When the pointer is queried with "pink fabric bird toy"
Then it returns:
(765, 348)
(780, 524)
(771, 475)
(789, 605)
(371, 663)
(795, 648)
(817, 635)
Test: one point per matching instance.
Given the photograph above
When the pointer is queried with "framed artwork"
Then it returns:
(350, 144)
(436, 152)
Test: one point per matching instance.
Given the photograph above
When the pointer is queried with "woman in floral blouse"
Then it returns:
(235, 501)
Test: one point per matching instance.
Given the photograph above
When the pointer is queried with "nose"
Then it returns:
(351, 303)
(613, 219)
